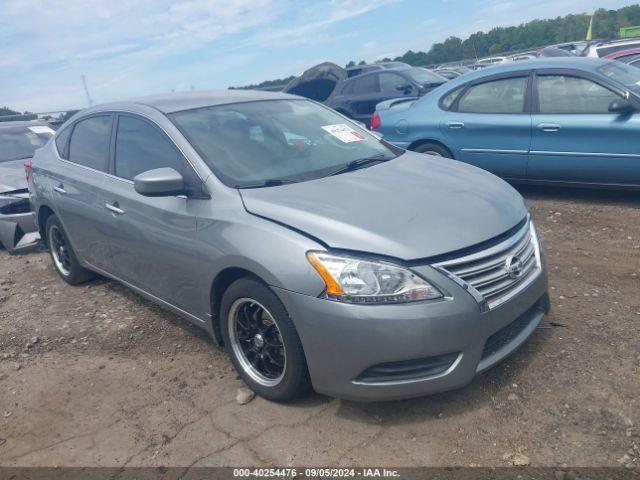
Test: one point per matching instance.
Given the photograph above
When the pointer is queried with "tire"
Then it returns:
(268, 354)
(63, 257)
(434, 149)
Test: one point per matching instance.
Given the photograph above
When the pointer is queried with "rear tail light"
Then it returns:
(375, 121)
(27, 169)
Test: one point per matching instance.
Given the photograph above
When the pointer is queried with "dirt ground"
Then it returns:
(97, 376)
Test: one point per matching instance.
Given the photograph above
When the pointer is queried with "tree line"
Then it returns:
(9, 115)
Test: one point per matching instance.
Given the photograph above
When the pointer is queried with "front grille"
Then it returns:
(488, 271)
(505, 335)
(408, 369)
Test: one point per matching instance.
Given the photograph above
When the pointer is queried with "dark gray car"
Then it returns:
(315, 252)
(18, 142)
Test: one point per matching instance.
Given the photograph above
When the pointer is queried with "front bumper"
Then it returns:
(341, 341)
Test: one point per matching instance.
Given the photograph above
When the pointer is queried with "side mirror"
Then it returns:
(621, 106)
(160, 182)
(404, 89)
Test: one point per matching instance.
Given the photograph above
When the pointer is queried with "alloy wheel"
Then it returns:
(256, 341)
(60, 251)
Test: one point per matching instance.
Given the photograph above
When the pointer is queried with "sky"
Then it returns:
(129, 48)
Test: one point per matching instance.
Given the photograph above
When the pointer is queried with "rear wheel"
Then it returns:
(64, 258)
(262, 341)
(434, 149)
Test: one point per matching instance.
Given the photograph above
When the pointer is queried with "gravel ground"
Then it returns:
(97, 376)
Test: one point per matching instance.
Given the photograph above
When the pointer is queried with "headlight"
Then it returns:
(360, 281)
(536, 244)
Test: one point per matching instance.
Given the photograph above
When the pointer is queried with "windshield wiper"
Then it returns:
(272, 182)
(360, 163)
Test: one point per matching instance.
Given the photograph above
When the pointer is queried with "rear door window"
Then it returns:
(393, 83)
(89, 145)
(498, 96)
(366, 84)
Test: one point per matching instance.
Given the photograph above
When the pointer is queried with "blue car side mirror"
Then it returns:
(621, 106)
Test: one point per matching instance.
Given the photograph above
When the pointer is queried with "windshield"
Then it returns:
(622, 73)
(248, 144)
(17, 143)
(424, 76)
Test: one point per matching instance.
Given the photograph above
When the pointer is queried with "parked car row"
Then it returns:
(571, 121)
(357, 97)
(319, 253)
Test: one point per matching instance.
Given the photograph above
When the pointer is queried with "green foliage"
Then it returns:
(266, 84)
(8, 115)
(536, 33)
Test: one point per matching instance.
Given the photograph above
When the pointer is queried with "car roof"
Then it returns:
(400, 71)
(579, 63)
(618, 41)
(369, 65)
(178, 101)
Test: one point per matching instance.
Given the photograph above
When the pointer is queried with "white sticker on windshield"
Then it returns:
(41, 129)
(344, 133)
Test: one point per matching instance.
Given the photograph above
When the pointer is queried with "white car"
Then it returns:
(605, 48)
(489, 61)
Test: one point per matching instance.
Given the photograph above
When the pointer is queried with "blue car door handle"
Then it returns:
(455, 124)
(549, 127)
(60, 189)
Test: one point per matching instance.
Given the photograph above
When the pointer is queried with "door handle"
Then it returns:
(455, 124)
(549, 127)
(114, 208)
(60, 189)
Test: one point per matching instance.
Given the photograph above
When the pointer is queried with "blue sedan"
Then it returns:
(558, 120)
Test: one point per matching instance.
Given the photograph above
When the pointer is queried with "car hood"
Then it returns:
(319, 83)
(12, 175)
(413, 207)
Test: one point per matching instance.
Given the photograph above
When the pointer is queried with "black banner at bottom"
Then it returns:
(402, 473)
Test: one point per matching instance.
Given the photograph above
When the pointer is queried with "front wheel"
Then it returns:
(64, 258)
(262, 341)
(434, 149)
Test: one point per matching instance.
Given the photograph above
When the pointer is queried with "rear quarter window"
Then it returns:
(62, 142)
(446, 102)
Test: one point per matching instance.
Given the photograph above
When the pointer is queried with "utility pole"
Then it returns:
(86, 91)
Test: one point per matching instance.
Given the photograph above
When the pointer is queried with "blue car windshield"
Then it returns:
(622, 73)
(277, 141)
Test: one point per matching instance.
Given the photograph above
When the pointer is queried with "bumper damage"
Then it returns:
(18, 231)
